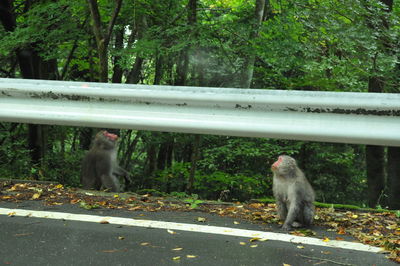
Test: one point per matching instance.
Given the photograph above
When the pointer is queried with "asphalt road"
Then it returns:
(41, 241)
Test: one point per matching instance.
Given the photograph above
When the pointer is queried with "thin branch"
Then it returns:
(112, 22)
(94, 10)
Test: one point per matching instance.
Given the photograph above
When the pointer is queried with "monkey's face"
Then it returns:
(105, 140)
(284, 164)
(110, 136)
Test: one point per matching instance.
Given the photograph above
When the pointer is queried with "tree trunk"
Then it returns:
(32, 66)
(248, 66)
(194, 159)
(134, 74)
(375, 173)
(393, 172)
(103, 38)
(119, 42)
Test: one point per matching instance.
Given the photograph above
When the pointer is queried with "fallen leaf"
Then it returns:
(145, 244)
(59, 186)
(201, 219)
(254, 239)
(236, 222)
(285, 264)
(36, 195)
(104, 222)
(110, 251)
(116, 196)
(176, 258)
(339, 238)
(74, 201)
(121, 238)
(11, 214)
(301, 247)
(171, 232)
(191, 256)
(341, 231)
(177, 249)
(326, 239)
(242, 243)
(253, 246)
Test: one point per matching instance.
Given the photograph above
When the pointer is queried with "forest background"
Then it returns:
(318, 45)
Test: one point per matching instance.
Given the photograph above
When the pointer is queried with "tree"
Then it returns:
(103, 36)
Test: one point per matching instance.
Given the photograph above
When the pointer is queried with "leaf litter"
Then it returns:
(380, 229)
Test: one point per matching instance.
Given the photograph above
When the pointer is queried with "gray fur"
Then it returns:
(99, 165)
(293, 193)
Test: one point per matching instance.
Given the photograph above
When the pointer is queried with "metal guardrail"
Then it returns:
(360, 118)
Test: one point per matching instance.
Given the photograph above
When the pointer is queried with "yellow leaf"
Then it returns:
(36, 195)
(176, 258)
(104, 222)
(263, 239)
(285, 264)
(326, 239)
(191, 256)
(242, 243)
(255, 239)
(354, 216)
(236, 222)
(59, 186)
(254, 246)
(144, 244)
(177, 249)
(12, 214)
(301, 247)
(201, 219)
(121, 238)
(171, 232)
(116, 196)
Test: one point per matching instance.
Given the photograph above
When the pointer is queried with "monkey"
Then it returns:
(293, 193)
(99, 166)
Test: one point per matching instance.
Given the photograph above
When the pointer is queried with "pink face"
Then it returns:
(277, 163)
(110, 136)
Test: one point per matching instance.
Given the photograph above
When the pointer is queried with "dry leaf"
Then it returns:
(104, 222)
(285, 264)
(301, 247)
(242, 243)
(201, 219)
(177, 249)
(36, 195)
(254, 239)
(253, 246)
(176, 258)
(326, 239)
(171, 232)
(11, 214)
(145, 244)
(121, 238)
(236, 222)
(191, 256)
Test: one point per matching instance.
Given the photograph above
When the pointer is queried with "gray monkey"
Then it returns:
(293, 193)
(100, 165)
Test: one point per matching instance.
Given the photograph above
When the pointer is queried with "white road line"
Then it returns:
(191, 228)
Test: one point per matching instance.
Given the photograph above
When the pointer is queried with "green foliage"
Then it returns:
(241, 187)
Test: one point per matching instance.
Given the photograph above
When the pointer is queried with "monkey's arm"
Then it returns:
(118, 170)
